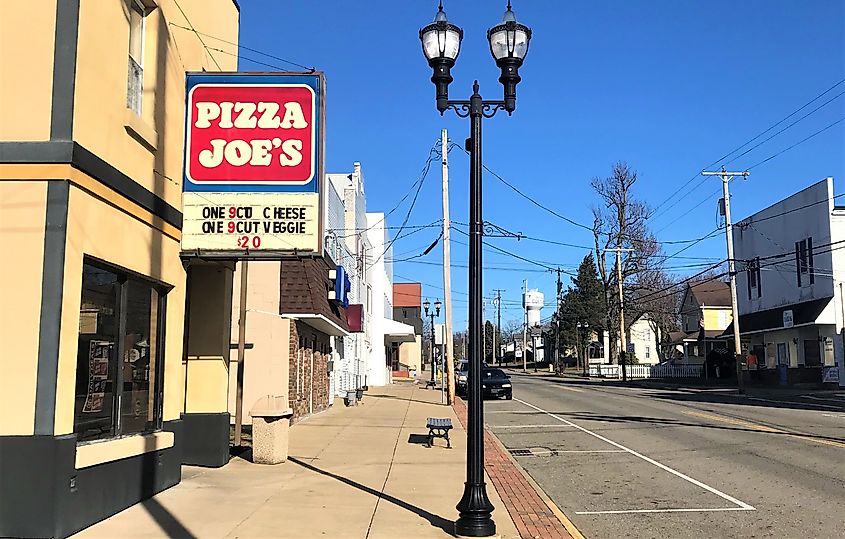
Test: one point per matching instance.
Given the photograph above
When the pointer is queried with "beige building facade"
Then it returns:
(93, 391)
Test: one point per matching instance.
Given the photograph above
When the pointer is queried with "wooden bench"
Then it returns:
(438, 428)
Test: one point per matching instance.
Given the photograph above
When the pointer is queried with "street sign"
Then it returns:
(788, 320)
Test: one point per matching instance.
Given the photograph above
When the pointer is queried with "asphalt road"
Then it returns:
(667, 463)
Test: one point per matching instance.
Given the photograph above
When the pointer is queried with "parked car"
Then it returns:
(495, 383)
(461, 376)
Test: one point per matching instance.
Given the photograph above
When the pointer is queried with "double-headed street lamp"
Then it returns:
(584, 332)
(441, 43)
(427, 306)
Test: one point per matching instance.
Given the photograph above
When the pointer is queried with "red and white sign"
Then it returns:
(251, 134)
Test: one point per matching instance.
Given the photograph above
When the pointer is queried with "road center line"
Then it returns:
(672, 471)
(763, 428)
(815, 398)
(759, 399)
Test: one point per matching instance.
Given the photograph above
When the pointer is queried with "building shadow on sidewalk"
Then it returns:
(166, 521)
(435, 520)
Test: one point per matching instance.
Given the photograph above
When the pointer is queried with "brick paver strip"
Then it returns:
(532, 516)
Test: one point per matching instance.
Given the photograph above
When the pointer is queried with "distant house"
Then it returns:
(407, 309)
(642, 340)
(705, 314)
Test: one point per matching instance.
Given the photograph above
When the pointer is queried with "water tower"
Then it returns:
(532, 302)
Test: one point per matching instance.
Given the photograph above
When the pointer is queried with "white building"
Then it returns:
(352, 246)
(385, 332)
(790, 282)
(359, 242)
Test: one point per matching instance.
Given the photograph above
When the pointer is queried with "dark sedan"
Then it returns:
(496, 384)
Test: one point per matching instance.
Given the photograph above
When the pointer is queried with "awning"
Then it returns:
(319, 322)
(680, 337)
(398, 332)
(803, 314)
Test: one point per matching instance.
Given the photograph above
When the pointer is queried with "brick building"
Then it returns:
(407, 309)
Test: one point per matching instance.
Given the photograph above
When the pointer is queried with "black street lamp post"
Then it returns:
(584, 333)
(441, 42)
(427, 306)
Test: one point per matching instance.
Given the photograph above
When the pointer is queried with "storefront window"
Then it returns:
(119, 357)
(140, 345)
(95, 363)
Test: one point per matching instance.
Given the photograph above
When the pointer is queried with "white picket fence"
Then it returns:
(634, 372)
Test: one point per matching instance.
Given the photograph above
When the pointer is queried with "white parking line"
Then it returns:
(577, 451)
(628, 511)
(708, 488)
(575, 389)
(506, 411)
(556, 425)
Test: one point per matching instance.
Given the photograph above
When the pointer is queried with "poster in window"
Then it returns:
(99, 353)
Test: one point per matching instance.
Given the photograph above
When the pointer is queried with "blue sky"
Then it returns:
(667, 86)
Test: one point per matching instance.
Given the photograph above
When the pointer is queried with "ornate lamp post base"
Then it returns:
(475, 513)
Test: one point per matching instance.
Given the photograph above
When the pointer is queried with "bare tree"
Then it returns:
(620, 222)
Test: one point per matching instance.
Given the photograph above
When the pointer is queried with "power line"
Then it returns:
(786, 212)
(432, 154)
(242, 57)
(774, 261)
(655, 213)
(820, 131)
(708, 198)
(528, 198)
(194, 30)
(240, 46)
(785, 128)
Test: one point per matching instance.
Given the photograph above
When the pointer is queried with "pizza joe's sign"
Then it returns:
(253, 162)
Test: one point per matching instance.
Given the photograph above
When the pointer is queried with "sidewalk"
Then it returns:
(352, 473)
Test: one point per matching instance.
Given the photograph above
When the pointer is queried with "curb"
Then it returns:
(568, 524)
(535, 518)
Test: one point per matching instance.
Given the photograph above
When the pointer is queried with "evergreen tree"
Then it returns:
(588, 294)
(582, 302)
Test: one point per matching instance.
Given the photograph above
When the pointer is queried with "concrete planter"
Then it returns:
(351, 396)
(270, 424)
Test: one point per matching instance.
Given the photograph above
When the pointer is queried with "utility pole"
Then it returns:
(557, 325)
(448, 342)
(497, 358)
(619, 285)
(484, 332)
(726, 177)
(525, 326)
